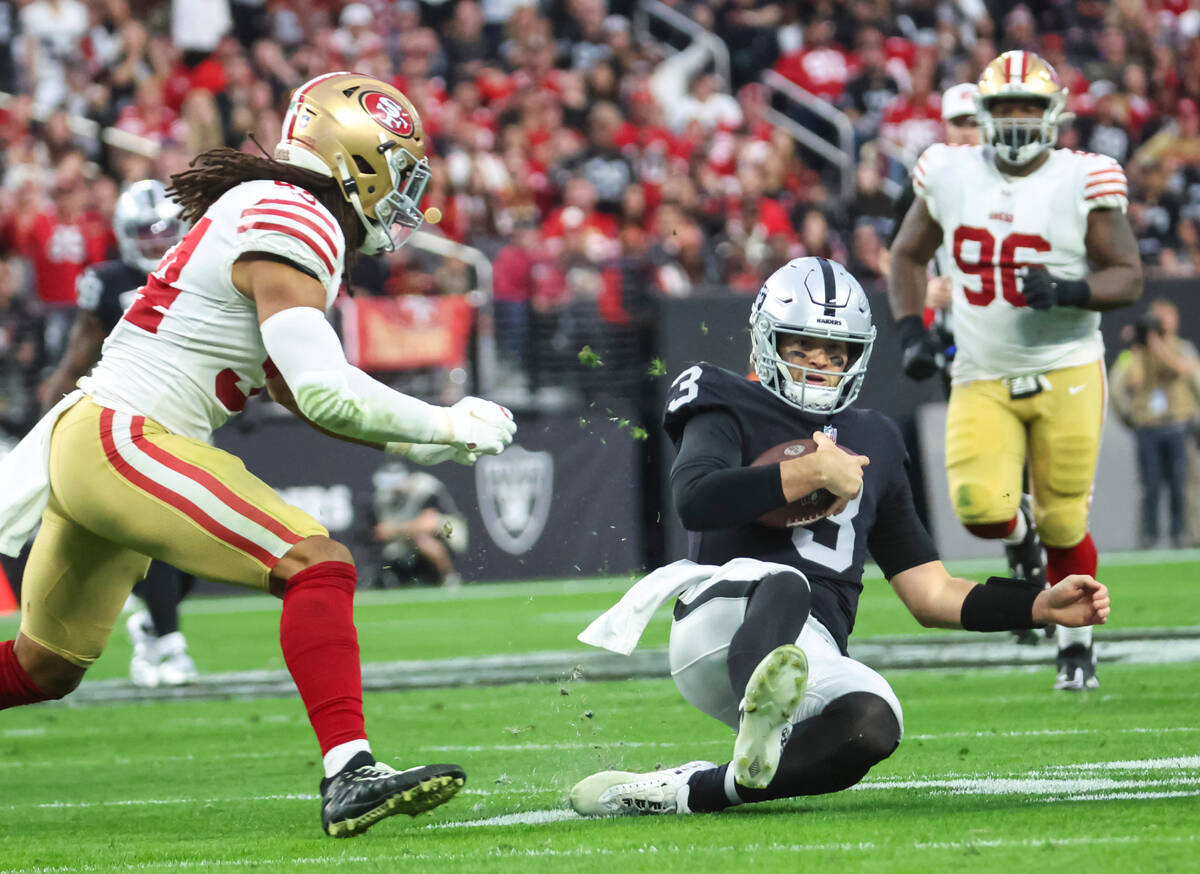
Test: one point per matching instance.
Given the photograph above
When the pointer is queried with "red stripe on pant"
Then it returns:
(179, 502)
(1081, 558)
(320, 647)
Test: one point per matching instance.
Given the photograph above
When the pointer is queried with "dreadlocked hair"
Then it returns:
(214, 172)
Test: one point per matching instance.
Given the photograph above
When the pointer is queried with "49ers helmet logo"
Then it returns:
(388, 113)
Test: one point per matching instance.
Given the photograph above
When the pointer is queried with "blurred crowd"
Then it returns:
(598, 161)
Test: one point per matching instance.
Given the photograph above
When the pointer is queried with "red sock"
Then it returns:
(320, 647)
(16, 686)
(1078, 559)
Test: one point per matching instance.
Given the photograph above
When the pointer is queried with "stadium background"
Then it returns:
(616, 178)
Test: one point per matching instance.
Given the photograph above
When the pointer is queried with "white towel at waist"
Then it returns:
(620, 627)
(25, 479)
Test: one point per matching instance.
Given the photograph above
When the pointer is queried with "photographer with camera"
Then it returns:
(1155, 386)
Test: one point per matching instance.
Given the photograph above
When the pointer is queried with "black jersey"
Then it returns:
(107, 289)
(831, 552)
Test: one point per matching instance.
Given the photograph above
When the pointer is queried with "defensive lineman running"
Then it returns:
(1040, 246)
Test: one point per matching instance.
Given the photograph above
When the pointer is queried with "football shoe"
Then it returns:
(1076, 669)
(366, 791)
(773, 693)
(628, 793)
(175, 666)
(1026, 561)
(143, 664)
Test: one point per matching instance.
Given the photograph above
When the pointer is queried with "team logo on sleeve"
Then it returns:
(515, 491)
(388, 113)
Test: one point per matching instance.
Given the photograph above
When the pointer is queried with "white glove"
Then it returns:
(431, 453)
(478, 426)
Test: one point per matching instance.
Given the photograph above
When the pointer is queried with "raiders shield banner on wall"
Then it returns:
(515, 491)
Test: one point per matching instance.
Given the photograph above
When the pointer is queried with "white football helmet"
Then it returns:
(368, 136)
(146, 223)
(812, 297)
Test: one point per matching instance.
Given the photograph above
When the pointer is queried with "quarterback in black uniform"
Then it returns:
(763, 613)
(146, 225)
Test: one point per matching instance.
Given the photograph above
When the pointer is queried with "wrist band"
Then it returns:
(1072, 292)
(1002, 604)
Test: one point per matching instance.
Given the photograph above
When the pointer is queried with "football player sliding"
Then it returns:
(1023, 221)
(763, 614)
(120, 471)
(146, 224)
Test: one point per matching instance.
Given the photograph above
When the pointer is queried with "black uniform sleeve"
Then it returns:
(898, 541)
(710, 487)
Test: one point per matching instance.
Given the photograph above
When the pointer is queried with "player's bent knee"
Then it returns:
(309, 552)
(878, 730)
(977, 505)
(785, 584)
(53, 674)
(1063, 528)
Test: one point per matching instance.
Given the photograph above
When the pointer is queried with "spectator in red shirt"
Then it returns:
(60, 243)
(821, 67)
(597, 230)
(512, 291)
(913, 121)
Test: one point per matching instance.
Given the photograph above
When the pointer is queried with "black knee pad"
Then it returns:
(875, 731)
(787, 585)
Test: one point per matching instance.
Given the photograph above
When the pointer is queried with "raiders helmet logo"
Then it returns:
(515, 491)
(388, 113)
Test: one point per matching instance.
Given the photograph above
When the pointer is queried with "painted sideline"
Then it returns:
(949, 651)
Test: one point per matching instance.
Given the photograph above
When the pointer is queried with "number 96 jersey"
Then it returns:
(188, 351)
(994, 224)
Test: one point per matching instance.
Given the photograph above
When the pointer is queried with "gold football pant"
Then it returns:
(125, 490)
(989, 436)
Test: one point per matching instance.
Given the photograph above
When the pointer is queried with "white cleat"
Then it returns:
(626, 793)
(143, 665)
(774, 692)
(175, 667)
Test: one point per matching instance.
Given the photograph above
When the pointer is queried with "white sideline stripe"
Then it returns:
(529, 817)
(641, 851)
(189, 489)
(1034, 783)
(617, 744)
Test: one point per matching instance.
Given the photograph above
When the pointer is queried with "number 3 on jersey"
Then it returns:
(685, 388)
(159, 291)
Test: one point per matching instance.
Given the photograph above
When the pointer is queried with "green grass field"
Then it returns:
(996, 773)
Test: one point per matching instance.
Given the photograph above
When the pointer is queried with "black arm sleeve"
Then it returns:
(710, 487)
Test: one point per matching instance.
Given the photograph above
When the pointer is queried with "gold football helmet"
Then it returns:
(1019, 75)
(366, 135)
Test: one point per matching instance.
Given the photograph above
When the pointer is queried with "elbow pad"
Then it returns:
(336, 395)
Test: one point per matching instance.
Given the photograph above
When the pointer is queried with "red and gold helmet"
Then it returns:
(368, 136)
(1019, 75)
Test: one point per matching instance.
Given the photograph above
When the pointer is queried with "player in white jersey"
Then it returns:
(120, 472)
(1023, 221)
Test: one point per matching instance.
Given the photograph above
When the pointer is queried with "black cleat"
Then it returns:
(366, 791)
(1076, 669)
(1026, 561)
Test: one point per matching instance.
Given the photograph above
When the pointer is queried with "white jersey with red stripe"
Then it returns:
(188, 352)
(993, 225)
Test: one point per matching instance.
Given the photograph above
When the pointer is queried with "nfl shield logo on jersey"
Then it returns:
(515, 492)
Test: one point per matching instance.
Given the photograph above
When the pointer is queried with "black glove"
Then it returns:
(1043, 291)
(922, 356)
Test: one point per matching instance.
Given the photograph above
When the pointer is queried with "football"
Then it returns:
(813, 506)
